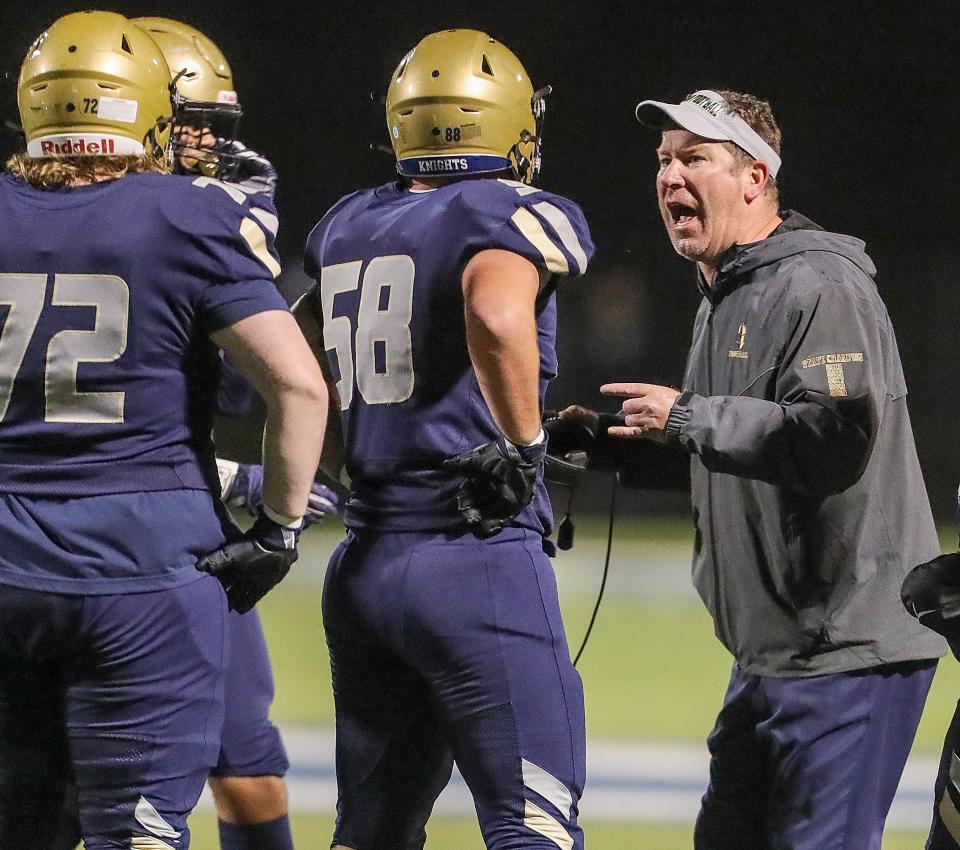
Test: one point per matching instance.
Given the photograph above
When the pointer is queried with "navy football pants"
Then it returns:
(447, 647)
(128, 690)
(810, 763)
(251, 744)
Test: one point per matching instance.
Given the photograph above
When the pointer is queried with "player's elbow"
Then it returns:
(497, 323)
(302, 386)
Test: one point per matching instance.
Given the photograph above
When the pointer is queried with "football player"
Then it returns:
(206, 119)
(118, 285)
(434, 311)
(247, 783)
(208, 111)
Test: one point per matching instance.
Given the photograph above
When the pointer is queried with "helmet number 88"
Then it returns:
(383, 366)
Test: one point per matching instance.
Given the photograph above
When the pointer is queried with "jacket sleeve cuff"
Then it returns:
(677, 419)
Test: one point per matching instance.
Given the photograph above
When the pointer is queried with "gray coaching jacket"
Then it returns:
(808, 500)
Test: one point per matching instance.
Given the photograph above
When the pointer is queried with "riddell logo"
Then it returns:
(71, 147)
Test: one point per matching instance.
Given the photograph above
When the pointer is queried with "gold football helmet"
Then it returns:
(206, 102)
(461, 103)
(94, 84)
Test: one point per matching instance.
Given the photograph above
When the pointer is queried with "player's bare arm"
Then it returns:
(273, 355)
(311, 325)
(499, 294)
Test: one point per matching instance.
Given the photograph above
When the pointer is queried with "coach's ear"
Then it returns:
(755, 175)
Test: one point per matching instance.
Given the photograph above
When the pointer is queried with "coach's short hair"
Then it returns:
(758, 114)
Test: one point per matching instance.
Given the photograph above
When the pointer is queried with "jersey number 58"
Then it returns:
(383, 366)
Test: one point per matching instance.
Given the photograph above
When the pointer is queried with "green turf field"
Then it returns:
(313, 833)
(652, 671)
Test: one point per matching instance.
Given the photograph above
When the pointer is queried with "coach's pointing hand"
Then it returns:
(646, 409)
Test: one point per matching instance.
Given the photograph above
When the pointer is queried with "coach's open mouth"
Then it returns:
(681, 213)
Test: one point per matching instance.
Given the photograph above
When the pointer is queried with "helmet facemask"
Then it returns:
(525, 154)
(206, 111)
(203, 133)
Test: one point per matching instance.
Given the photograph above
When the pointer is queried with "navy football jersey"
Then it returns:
(388, 263)
(108, 295)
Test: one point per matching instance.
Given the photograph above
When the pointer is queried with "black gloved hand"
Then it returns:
(250, 567)
(246, 168)
(567, 436)
(499, 482)
(931, 593)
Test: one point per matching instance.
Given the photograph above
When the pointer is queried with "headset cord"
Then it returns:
(606, 565)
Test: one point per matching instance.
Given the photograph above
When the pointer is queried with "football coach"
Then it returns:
(808, 499)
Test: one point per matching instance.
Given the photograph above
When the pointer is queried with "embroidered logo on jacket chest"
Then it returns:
(739, 353)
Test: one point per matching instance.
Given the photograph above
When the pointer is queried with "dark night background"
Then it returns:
(866, 95)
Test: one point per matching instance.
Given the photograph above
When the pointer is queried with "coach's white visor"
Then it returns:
(705, 113)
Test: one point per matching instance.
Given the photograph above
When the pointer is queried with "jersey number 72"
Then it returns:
(24, 295)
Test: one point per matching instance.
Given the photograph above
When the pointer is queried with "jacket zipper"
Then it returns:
(719, 620)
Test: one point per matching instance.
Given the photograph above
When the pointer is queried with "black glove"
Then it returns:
(931, 593)
(246, 168)
(566, 436)
(499, 482)
(250, 567)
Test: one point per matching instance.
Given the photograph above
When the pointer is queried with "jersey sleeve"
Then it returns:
(313, 255)
(231, 235)
(315, 250)
(547, 229)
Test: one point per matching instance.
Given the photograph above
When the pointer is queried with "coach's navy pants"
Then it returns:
(810, 763)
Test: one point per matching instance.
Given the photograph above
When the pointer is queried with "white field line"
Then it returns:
(626, 781)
